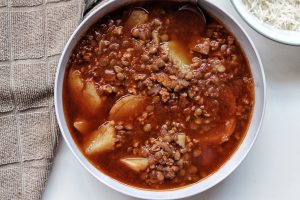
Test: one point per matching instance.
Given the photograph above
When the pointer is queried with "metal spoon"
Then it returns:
(195, 9)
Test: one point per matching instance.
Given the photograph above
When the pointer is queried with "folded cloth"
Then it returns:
(32, 36)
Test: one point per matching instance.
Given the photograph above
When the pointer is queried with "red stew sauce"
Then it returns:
(154, 102)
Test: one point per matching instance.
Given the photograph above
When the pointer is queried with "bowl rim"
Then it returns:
(277, 35)
(230, 165)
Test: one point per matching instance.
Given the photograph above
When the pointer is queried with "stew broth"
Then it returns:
(154, 102)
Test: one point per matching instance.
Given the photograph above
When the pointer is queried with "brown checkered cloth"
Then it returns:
(32, 36)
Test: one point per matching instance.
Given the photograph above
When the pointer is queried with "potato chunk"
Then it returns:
(102, 139)
(136, 164)
(177, 54)
(75, 83)
(90, 98)
(136, 17)
(127, 107)
(84, 93)
(181, 140)
(220, 134)
(81, 125)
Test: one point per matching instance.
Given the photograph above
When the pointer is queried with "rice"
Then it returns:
(282, 14)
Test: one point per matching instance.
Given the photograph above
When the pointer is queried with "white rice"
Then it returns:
(282, 14)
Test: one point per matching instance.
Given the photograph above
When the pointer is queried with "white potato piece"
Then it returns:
(75, 83)
(102, 139)
(126, 107)
(84, 93)
(136, 164)
(220, 134)
(178, 55)
(136, 17)
(181, 140)
(81, 125)
(90, 98)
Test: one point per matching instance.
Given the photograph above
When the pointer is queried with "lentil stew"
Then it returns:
(154, 102)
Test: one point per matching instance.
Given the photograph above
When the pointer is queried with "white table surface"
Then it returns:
(270, 171)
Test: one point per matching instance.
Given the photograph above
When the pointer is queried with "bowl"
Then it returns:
(260, 91)
(278, 35)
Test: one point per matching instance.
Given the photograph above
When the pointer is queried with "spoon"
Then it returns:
(193, 8)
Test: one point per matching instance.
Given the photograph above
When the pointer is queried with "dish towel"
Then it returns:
(32, 36)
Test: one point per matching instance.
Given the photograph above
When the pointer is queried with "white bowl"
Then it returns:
(282, 36)
(260, 87)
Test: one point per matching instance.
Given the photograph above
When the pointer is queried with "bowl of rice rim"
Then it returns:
(278, 20)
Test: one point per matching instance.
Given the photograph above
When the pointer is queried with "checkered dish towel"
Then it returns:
(32, 36)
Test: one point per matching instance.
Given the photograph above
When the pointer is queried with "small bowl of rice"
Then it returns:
(278, 20)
